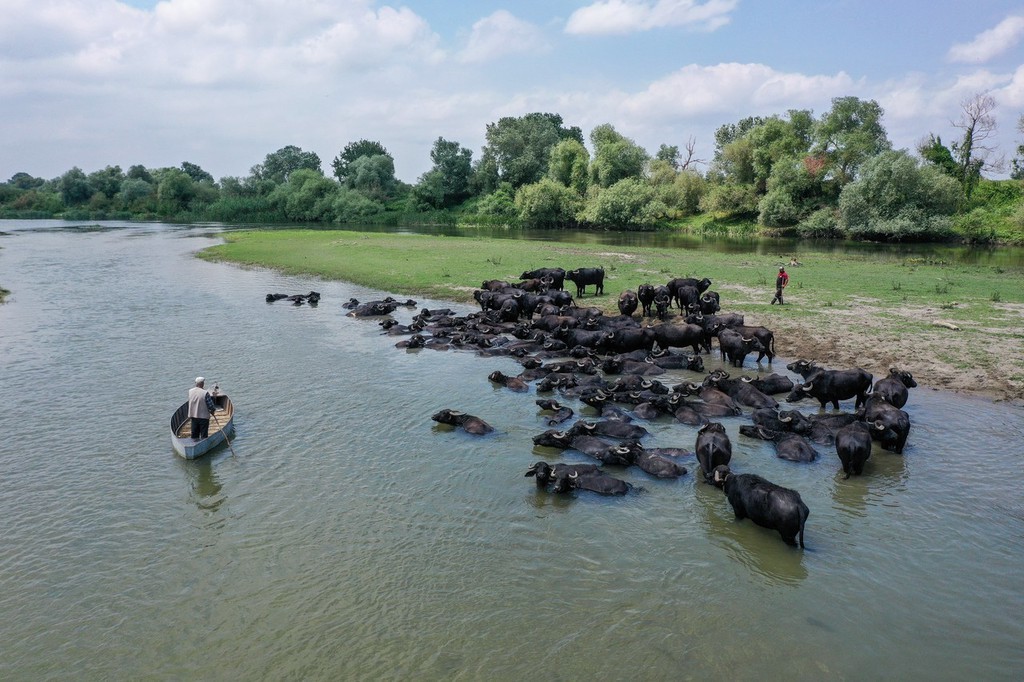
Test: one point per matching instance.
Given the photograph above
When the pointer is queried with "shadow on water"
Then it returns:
(760, 550)
(204, 484)
(885, 475)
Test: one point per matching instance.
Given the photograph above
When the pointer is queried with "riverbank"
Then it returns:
(955, 327)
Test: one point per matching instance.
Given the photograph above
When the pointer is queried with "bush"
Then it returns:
(547, 204)
(629, 204)
(822, 224)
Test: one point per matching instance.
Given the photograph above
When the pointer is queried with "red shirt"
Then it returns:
(782, 280)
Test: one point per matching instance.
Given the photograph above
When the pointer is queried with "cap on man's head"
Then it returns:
(200, 380)
(782, 269)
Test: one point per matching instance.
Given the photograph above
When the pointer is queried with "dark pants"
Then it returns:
(778, 295)
(200, 427)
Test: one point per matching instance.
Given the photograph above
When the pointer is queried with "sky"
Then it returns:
(223, 83)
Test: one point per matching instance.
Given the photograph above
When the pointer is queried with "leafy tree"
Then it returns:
(374, 176)
(731, 132)
(569, 165)
(849, 134)
(628, 204)
(107, 181)
(355, 150)
(897, 198)
(501, 202)
(1017, 172)
(615, 157)
(279, 166)
(196, 173)
(350, 206)
(547, 204)
(793, 191)
(174, 192)
(134, 190)
(75, 189)
(25, 181)
(518, 149)
(730, 199)
(447, 183)
(138, 172)
(306, 197)
(934, 152)
(776, 139)
(670, 155)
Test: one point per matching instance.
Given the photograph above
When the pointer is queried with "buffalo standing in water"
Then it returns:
(766, 504)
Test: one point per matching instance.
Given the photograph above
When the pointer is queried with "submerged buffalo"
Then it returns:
(468, 422)
(766, 504)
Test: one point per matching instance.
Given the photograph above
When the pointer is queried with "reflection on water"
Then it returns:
(353, 538)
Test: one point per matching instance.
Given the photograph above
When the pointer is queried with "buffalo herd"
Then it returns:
(611, 364)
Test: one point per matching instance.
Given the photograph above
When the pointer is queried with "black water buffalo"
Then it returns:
(512, 383)
(893, 388)
(596, 481)
(781, 420)
(545, 473)
(789, 446)
(743, 392)
(713, 448)
(659, 465)
(662, 305)
(763, 335)
(556, 275)
(609, 429)
(737, 347)
(374, 309)
(628, 303)
(888, 424)
(581, 277)
(771, 384)
(677, 282)
(833, 385)
(313, 297)
(853, 445)
(468, 422)
(679, 336)
(628, 339)
(666, 359)
(617, 454)
(562, 412)
(645, 295)
(766, 504)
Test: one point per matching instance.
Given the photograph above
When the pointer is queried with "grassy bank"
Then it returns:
(844, 309)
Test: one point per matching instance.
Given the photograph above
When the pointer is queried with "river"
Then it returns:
(349, 537)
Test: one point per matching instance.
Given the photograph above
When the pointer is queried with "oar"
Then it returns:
(225, 433)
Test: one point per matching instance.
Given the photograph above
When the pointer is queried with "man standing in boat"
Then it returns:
(200, 405)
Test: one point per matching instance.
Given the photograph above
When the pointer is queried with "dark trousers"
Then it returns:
(778, 295)
(200, 427)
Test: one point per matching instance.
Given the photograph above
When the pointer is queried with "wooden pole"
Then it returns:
(226, 437)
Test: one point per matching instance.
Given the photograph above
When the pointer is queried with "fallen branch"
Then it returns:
(947, 325)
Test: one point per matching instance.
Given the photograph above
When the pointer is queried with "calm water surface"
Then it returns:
(350, 537)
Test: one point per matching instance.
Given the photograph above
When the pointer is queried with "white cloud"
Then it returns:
(629, 16)
(500, 34)
(990, 43)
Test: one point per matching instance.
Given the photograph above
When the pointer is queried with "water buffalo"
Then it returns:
(512, 383)
(628, 303)
(736, 347)
(468, 422)
(609, 429)
(556, 275)
(658, 465)
(789, 446)
(679, 336)
(645, 295)
(893, 388)
(617, 454)
(888, 424)
(766, 504)
(666, 359)
(713, 448)
(545, 473)
(853, 445)
(781, 420)
(771, 384)
(596, 481)
(374, 309)
(833, 385)
(581, 277)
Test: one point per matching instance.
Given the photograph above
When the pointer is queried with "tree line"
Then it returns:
(831, 176)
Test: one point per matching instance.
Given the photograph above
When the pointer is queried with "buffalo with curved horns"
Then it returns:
(468, 422)
(853, 445)
(713, 448)
(766, 504)
(893, 388)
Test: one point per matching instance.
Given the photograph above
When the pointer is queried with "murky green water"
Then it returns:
(352, 538)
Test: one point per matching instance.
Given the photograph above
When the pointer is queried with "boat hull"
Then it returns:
(222, 427)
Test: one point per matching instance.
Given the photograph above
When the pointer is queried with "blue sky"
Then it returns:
(222, 83)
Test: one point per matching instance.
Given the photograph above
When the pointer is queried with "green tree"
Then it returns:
(569, 165)
(934, 152)
(75, 189)
(174, 192)
(547, 204)
(518, 150)
(896, 198)
(355, 150)
(1017, 172)
(196, 173)
(138, 172)
(133, 191)
(107, 181)
(629, 204)
(776, 139)
(731, 132)
(278, 166)
(307, 196)
(447, 182)
(848, 135)
(615, 157)
(670, 155)
(25, 181)
(374, 176)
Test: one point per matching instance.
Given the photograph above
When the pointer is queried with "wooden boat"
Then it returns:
(221, 427)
